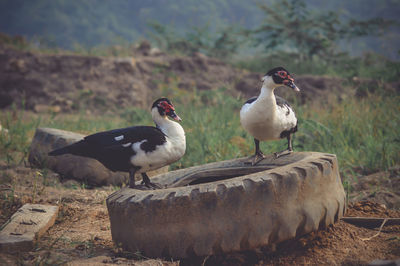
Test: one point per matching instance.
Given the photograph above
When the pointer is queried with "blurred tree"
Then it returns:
(289, 25)
(227, 43)
(199, 39)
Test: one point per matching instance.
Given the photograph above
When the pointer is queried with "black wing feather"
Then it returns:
(283, 103)
(252, 99)
(130, 135)
(110, 151)
(279, 101)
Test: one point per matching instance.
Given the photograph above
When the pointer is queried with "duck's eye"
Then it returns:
(282, 74)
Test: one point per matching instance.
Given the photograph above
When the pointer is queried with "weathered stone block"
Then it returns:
(26, 226)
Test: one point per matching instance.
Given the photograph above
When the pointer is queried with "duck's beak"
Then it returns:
(174, 116)
(290, 83)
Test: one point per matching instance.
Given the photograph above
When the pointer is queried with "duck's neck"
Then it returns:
(170, 128)
(267, 95)
(266, 101)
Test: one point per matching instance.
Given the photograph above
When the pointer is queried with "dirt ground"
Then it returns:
(82, 236)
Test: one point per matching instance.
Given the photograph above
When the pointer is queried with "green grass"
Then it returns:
(363, 133)
(14, 144)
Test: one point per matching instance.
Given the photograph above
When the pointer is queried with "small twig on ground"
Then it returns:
(370, 222)
(5, 187)
(380, 229)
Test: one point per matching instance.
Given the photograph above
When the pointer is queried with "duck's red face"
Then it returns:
(287, 80)
(282, 76)
(165, 107)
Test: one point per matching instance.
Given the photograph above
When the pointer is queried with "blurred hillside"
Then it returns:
(88, 23)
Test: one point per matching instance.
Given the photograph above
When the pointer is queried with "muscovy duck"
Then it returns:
(269, 117)
(137, 149)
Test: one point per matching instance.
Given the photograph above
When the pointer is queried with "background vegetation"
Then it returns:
(88, 23)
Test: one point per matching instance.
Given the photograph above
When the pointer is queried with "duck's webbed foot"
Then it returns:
(148, 184)
(282, 153)
(258, 157)
(289, 149)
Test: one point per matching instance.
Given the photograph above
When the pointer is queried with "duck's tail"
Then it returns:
(77, 148)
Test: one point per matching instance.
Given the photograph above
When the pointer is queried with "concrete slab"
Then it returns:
(26, 226)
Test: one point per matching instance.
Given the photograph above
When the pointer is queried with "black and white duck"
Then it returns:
(269, 117)
(136, 149)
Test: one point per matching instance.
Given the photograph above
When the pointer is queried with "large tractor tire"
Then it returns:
(229, 206)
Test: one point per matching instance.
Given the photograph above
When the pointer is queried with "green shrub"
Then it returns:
(14, 136)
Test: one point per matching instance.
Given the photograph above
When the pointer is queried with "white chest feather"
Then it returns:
(169, 152)
(264, 119)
